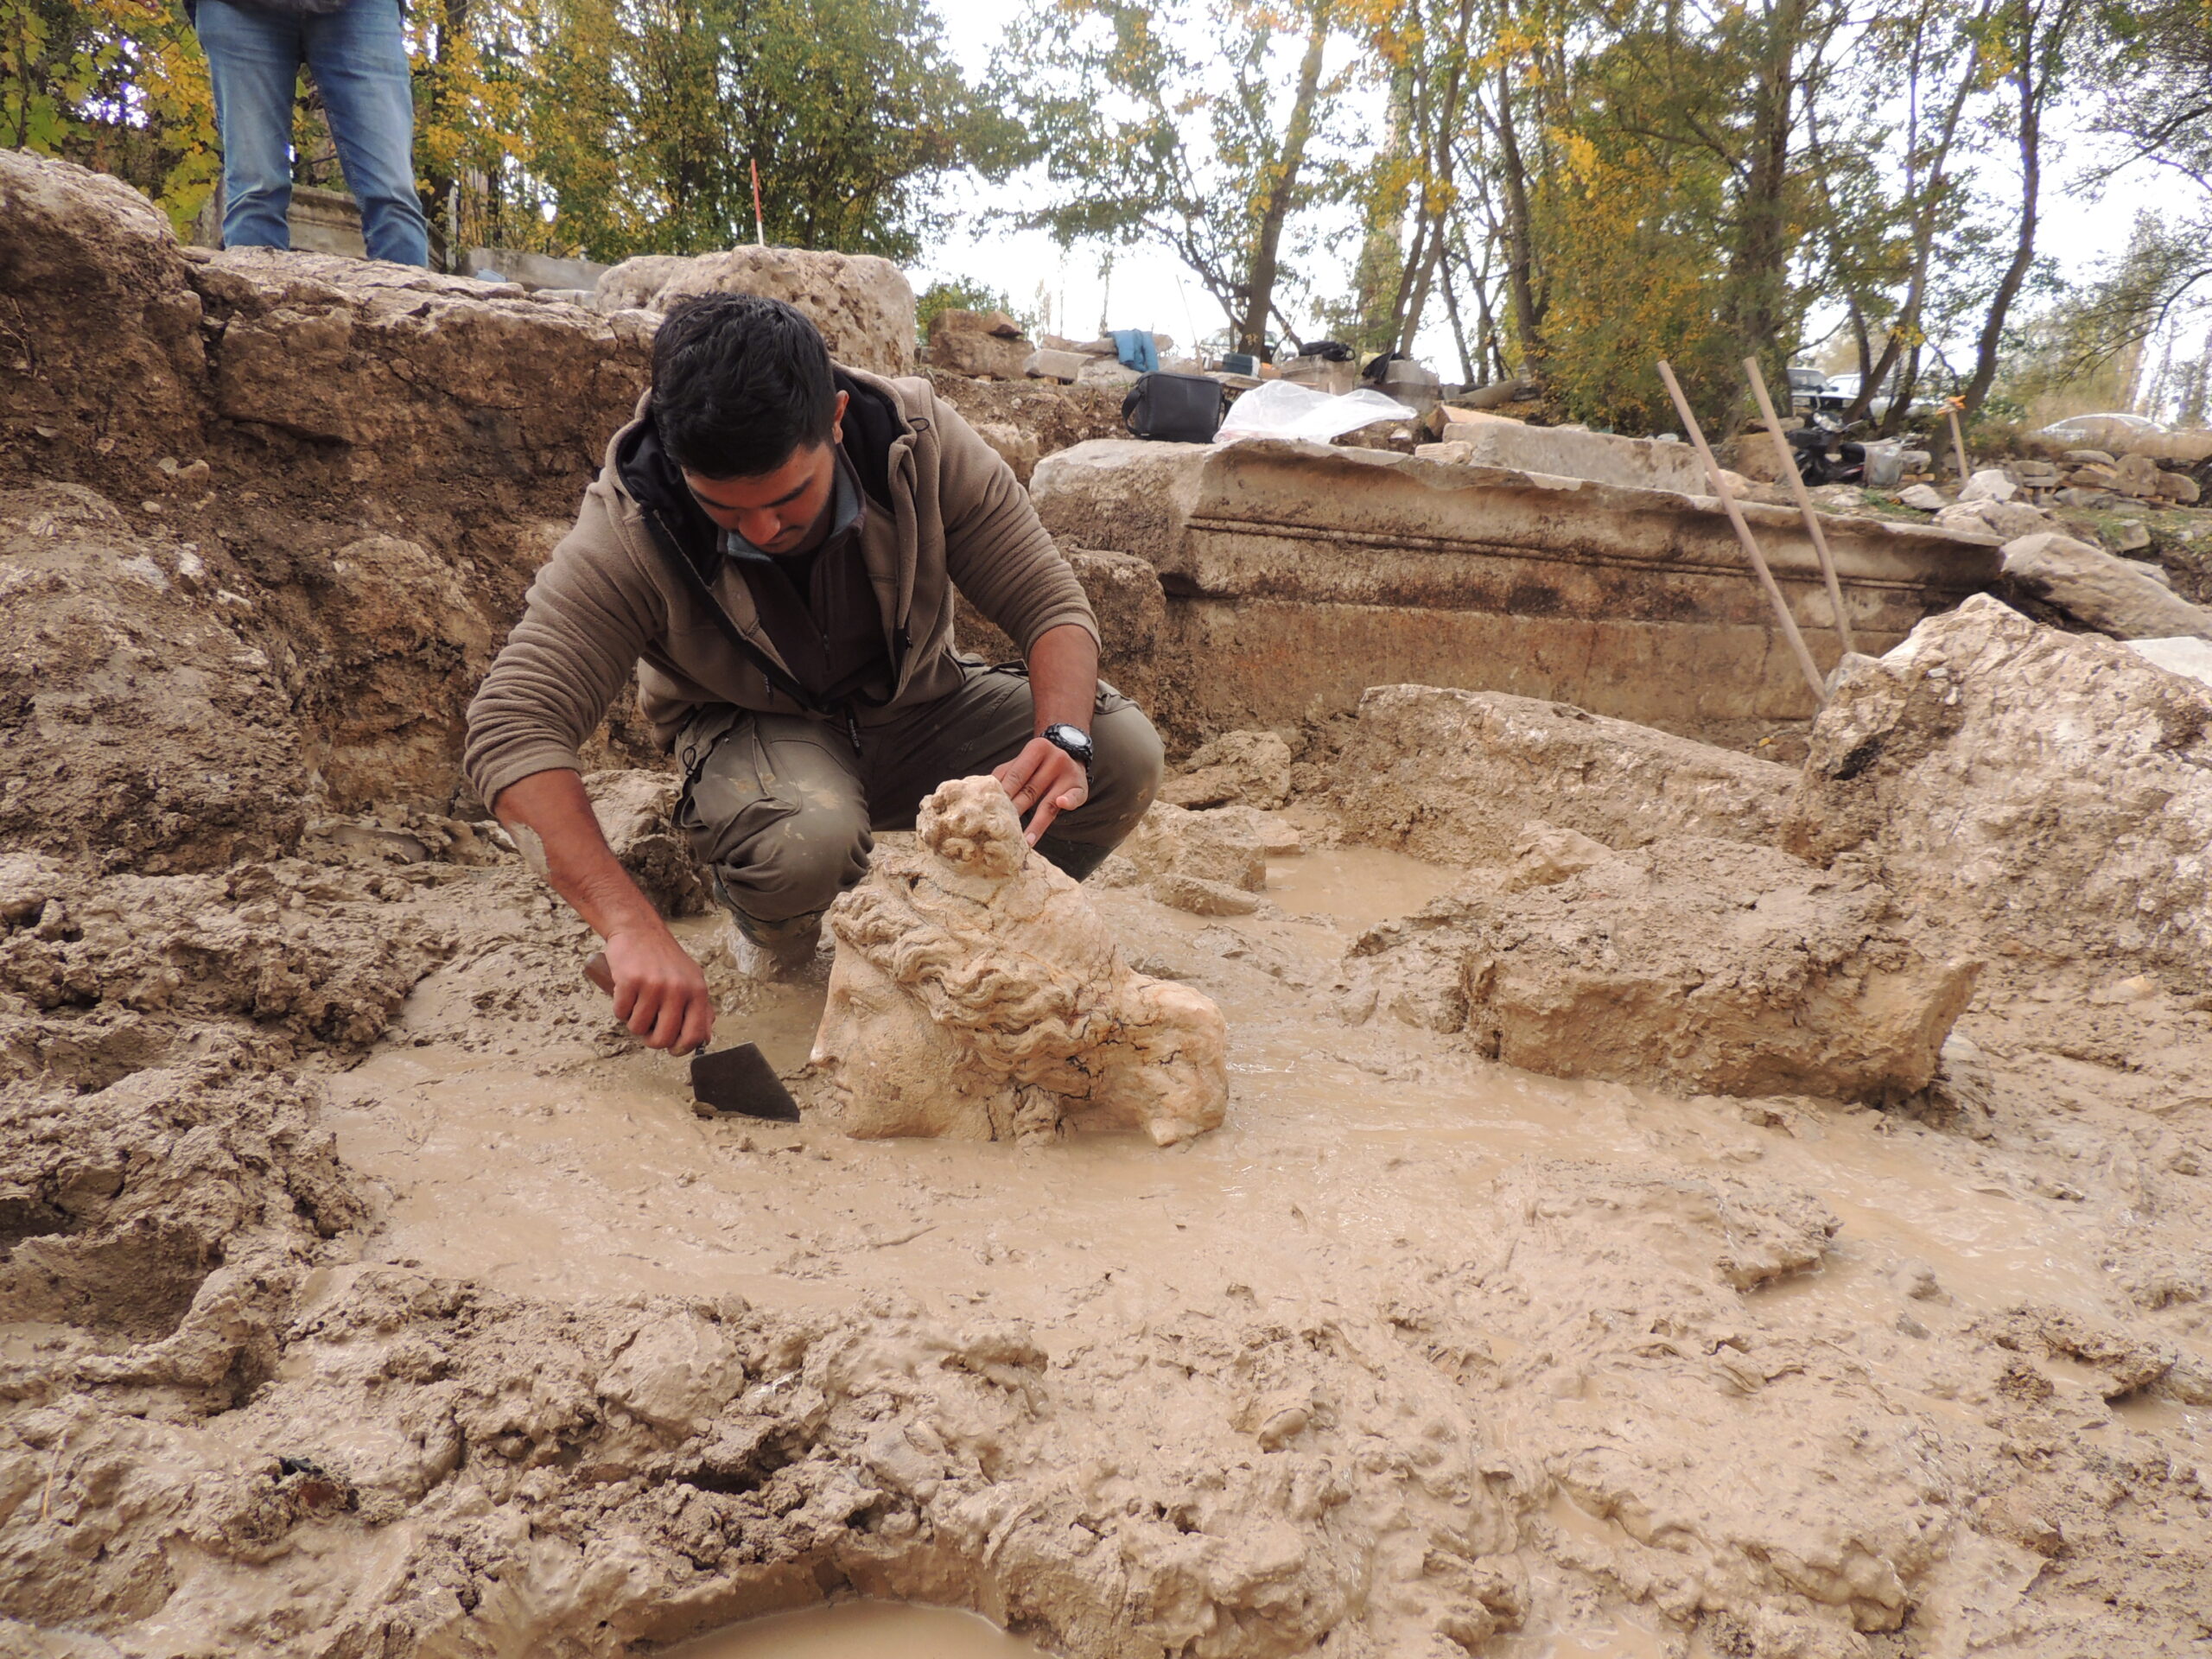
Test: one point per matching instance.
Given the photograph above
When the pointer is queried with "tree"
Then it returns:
(1191, 124)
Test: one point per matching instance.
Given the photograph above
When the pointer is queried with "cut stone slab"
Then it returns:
(863, 305)
(2113, 595)
(1300, 575)
(1690, 964)
(1050, 364)
(1559, 452)
(2043, 797)
(1986, 516)
(1455, 776)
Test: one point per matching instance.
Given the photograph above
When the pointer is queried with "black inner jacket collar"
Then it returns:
(872, 425)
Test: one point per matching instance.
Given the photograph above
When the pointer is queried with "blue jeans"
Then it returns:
(358, 59)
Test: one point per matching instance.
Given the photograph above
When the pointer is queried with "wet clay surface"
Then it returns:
(860, 1630)
(1691, 1336)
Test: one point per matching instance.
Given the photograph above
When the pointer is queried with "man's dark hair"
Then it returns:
(740, 384)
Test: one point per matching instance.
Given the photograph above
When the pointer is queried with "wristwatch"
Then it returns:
(1070, 740)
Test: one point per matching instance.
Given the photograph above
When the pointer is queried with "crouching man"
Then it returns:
(774, 543)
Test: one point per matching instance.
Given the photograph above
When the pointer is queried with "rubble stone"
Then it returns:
(2045, 796)
(1453, 776)
(1218, 846)
(1203, 898)
(1250, 768)
(636, 810)
(1688, 964)
(2113, 595)
(1988, 485)
(863, 305)
(2180, 488)
(1051, 365)
(1560, 452)
(978, 343)
(976, 994)
(1924, 498)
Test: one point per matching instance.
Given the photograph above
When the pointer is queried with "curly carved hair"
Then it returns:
(1026, 1018)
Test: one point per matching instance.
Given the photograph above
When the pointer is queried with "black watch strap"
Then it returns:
(1070, 740)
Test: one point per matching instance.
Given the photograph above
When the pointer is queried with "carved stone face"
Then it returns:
(883, 1060)
(977, 994)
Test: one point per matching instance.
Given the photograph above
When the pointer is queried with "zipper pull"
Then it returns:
(853, 728)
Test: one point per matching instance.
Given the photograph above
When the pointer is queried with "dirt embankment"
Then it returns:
(362, 1293)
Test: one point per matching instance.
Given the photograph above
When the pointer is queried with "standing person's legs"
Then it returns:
(774, 808)
(358, 59)
(253, 63)
(984, 725)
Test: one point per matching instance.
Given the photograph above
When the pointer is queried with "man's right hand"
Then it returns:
(659, 991)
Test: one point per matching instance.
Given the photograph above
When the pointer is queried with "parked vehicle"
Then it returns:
(1811, 392)
(2087, 428)
(1826, 453)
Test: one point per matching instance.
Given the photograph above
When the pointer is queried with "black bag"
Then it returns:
(1175, 408)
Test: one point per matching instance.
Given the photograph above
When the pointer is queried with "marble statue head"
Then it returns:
(976, 994)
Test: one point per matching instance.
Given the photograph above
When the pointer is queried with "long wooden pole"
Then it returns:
(1958, 443)
(1744, 535)
(1788, 460)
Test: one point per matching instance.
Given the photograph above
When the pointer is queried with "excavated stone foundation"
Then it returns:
(365, 1292)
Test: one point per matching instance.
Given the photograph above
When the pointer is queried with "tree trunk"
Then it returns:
(2033, 88)
(1758, 272)
(1260, 288)
(1520, 255)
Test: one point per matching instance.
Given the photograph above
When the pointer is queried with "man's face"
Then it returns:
(775, 510)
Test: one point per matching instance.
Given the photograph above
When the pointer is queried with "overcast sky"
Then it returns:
(1150, 289)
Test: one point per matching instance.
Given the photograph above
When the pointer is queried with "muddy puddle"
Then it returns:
(860, 1629)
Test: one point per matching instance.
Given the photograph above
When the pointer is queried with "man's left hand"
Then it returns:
(1045, 778)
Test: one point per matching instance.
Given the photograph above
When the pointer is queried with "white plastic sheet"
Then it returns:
(1283, 409)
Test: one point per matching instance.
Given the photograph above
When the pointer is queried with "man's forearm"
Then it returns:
(579, 864)
(1064, 676)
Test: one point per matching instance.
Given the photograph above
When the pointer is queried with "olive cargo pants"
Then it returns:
(781, 808)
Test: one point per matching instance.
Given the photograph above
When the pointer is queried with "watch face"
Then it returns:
(1072, 739)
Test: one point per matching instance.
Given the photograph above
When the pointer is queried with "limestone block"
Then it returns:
(2179, 487)
(1016, 447)
(973, 352)
(1988, 485)
(863, 305)
(636, 811)
(996, 324)
(2088, 458)
(1924, 498)
(1213, 846)
(1453, 776)
(1051, 365)
(1252, 768)
(2110, 594)
(1986, 516)
(2044, 795)
(2190, 655)
(978, 995)
(1632, 463)
(1103, 372)
(1689, 963)
(2136, 475)
(1203, 898)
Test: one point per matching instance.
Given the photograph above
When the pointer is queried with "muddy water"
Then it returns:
(860, 1629)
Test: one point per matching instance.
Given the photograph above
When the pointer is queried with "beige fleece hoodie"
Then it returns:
(608, 600)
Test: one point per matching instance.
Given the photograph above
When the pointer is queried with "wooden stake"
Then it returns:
(1804, 502)
(760, 226)
(1958, 443)
(1744, 535)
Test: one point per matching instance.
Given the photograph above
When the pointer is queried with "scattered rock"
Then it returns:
(1251, 768)
(2113, 595)
(2043, 796)
(1690, 964)
(637, 814)
(976, 994)
(1050, 364)
(1451, 775)
(863, 305)
(1924, 498)
(978, 343)
(1218, 846)
(1203, 898)
(1989, 517)
(2129, 536)
(1991, 484)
